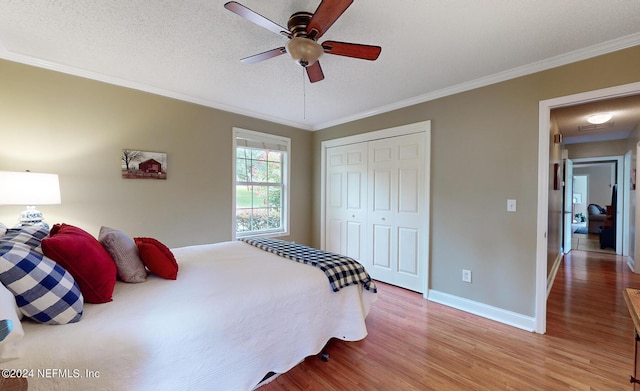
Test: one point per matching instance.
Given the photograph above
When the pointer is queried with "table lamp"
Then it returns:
(29, 188)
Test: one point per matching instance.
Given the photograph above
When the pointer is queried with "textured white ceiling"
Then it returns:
(190, 49)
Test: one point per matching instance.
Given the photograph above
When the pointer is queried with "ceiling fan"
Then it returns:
(303, 30)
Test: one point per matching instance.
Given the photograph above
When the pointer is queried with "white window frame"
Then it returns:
(268, 141)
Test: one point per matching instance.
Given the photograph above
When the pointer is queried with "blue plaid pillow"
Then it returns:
(30, 235)
(44, 290)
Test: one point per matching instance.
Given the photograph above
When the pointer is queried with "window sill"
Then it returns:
(277, 234)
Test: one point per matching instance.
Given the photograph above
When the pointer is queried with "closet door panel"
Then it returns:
(396, 169)
(408, 191)
(408, 246)
(382, 190)
(335, 190)
(354, 190)
(334, 239)
(354, 239)
(382, 246)
(346, 200)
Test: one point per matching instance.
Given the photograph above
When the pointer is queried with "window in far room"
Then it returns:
(261, 194)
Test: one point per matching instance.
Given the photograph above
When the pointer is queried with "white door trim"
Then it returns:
(567, 203)
(619, 159)
(626, 199)
(418, 127)
(544, 139)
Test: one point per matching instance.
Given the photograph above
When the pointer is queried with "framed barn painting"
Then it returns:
(143, 164)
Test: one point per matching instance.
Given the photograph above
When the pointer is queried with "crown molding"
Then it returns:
(53, 66)
(553, 62)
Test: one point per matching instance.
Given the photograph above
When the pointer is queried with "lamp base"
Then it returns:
(32, 216)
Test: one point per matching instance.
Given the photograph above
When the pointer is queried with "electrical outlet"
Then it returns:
(466, 275)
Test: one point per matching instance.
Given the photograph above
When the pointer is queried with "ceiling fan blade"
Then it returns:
(315, 72)
(264, 55)
(327, 13)
(256, 18)
(355, 50)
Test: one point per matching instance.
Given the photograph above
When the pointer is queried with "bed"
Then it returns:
(234, 314)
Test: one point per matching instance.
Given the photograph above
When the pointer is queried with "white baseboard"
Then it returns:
(554, 270)
(510, 318)
(632, 264)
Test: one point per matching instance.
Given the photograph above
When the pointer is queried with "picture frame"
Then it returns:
(138, 164)
(577, 198)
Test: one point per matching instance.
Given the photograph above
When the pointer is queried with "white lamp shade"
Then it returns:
(29, 188)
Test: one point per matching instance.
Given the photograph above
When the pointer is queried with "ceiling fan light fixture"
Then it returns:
(599, 118)
(304, 51)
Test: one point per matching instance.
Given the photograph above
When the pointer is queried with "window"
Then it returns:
(261, 173)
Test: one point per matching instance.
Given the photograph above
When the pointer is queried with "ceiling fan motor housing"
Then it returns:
(302, 48)
(298, 23)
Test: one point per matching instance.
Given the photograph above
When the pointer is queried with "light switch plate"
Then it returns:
(511, 205)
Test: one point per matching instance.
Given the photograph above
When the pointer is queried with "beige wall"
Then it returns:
(597, 149)
(600, 182)
(485, 151)
(77, 128)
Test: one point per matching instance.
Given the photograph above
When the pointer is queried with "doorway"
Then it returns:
(580, 199)
(544, 137)
(603, 214)
(593, 185)
(580, 237)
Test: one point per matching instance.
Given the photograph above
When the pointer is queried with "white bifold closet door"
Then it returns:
(346, 201)
(396, 217)
(375, 209)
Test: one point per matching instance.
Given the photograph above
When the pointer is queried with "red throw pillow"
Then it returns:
(157, 258)
(85, 259)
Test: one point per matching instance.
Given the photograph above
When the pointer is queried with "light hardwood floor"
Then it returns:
(589, 242)
(414, 344)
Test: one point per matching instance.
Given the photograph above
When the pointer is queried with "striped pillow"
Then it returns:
(44, 291)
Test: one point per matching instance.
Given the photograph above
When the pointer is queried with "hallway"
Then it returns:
(586, 305)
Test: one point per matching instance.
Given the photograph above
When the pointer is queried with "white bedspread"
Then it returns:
(234, 314)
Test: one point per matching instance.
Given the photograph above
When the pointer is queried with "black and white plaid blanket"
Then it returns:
(340, 270)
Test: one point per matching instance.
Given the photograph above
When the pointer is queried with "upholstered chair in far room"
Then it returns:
(596, 217)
